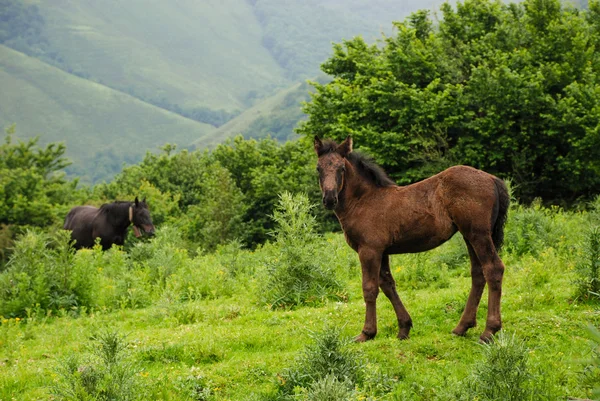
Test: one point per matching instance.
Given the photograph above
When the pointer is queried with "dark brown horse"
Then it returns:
(380, 218)
(109, 223)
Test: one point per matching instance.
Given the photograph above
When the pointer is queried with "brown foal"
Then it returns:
(380, 218)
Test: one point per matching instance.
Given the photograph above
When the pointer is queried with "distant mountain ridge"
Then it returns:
(101, 127)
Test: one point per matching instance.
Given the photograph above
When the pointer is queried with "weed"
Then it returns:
(105, 374)
(329, 388)
(296, 275)
(588, 269)
(328, 356)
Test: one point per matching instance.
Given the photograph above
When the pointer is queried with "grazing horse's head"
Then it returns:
(139, 215)
(331, 168)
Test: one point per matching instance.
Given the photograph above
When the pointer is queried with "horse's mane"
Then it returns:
(328, 146)
(363, 163)
(114, 207)
(369, 169)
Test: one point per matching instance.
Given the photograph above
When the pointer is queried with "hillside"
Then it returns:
(276, 116)
(190, 53)
(101, 127)
(299, 34)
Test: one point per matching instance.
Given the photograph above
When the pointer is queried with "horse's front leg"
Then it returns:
(370, 261)
(388, 286)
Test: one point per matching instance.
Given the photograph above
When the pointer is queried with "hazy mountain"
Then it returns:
(101, 126)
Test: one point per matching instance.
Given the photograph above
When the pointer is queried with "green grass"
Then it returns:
(231, 348)
(92, 119)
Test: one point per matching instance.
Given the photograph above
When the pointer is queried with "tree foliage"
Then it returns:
(30, 185)
(509, 88)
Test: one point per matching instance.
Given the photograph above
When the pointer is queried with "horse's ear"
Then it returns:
(137, 202)
(318, 144)
(144, 199)
(345, 148)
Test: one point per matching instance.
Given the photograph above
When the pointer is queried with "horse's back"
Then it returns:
(79, 214)
(80, 221)
(465, 184)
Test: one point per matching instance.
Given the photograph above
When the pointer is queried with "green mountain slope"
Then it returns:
(99, 125)
(276, 116)
(190, 53)
(299, 33)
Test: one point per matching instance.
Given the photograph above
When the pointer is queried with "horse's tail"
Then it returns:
(503, 203)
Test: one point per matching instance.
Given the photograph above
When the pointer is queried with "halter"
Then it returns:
(131, 214)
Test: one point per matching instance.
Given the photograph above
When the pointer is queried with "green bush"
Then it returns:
(298, 274)
(329, 388)
(504, 373)
(42, 273)
(104, 374)
(588, 269)
(329, 369)
(529, 230)
(328, 356)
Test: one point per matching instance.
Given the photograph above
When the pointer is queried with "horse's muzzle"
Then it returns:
(330, 200)
(148, 229)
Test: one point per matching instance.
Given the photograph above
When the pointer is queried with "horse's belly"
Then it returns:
(416, 240)
(415, 245)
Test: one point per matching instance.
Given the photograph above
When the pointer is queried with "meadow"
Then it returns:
(158, 320)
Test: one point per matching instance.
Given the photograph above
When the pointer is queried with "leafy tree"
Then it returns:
(186, 188)
(30, 187)
(33, 192)
(509, 88)
(263, 169)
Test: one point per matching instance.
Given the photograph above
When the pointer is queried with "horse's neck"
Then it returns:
(119, 216)
(355, 189)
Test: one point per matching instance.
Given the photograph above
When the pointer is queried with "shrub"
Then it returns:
(328, 369)
(327, 357)
(529, 230)
(588, 269)
(297, 274)
(42, 273)
(104, 374)
(503, 373)
(330, 388)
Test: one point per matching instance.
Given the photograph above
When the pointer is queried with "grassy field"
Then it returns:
(198, 326)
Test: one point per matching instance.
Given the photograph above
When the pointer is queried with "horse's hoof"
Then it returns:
(362, 337)
(486, 337)
(459, 332)
(403, 334)
(461, 329)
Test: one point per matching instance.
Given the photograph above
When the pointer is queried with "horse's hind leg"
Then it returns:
(493, 271)
(469, 316)
(388, 286)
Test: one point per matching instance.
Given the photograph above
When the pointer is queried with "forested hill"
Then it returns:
(206, 61)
